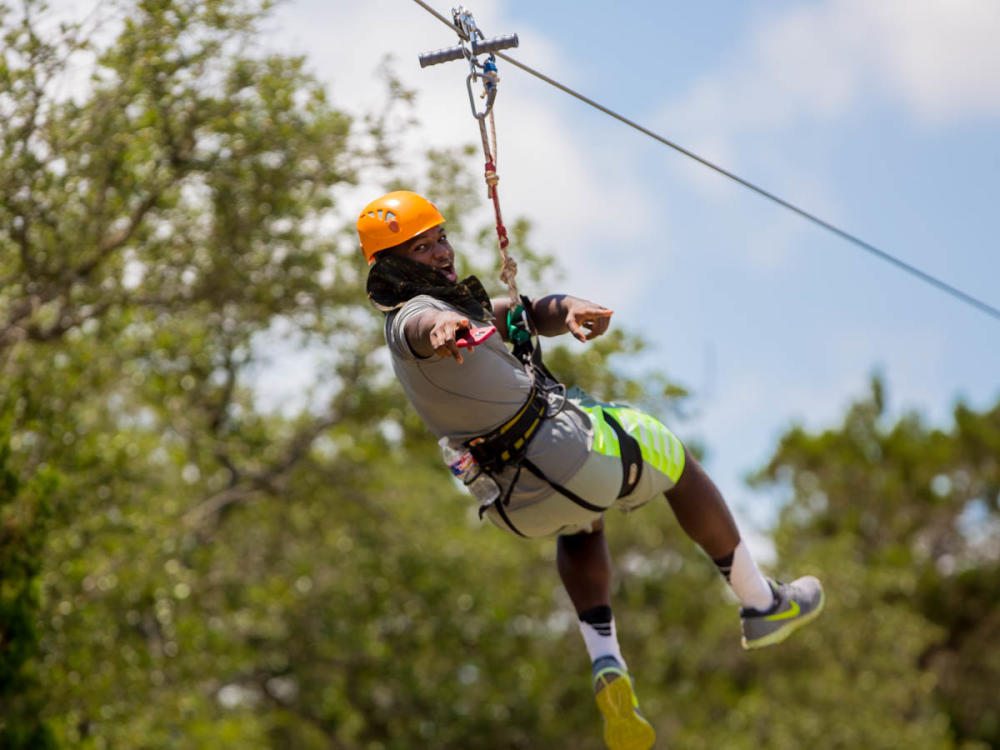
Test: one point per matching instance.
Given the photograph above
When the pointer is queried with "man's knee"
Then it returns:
(596, 527)
(691, 475)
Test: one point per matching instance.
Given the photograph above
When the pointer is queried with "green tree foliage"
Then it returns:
(903, 520)
(152, 226)
(25, 511)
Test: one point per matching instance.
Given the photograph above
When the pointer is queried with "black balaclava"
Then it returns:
(393, 280)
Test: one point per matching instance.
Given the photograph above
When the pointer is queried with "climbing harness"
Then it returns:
(507, 445)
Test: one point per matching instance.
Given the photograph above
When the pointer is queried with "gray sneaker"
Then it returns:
(796, 603)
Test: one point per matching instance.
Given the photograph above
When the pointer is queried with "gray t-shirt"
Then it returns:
(486, 390)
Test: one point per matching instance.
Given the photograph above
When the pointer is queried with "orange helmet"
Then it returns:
(393, 219)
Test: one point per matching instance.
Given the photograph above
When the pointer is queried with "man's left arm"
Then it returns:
(556, 314)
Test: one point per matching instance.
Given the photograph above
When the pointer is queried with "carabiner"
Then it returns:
(489, 92)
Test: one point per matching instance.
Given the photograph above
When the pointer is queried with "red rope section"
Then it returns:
(491, 184)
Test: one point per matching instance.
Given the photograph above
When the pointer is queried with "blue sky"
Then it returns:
(880, 117)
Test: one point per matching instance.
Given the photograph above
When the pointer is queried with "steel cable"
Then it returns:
(882, 254)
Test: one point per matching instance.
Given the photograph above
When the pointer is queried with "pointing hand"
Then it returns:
(447, 329)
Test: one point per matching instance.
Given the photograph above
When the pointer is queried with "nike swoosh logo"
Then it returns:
(787, 614)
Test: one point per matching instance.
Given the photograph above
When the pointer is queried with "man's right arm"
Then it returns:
(556, 314)
(436, 332)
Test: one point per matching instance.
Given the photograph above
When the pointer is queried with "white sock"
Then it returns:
(747, 581)
(601, 638)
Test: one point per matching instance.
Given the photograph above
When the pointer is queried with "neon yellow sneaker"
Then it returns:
(625, 728)
(795, 604)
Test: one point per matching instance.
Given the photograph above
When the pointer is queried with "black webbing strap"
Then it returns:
(631, 455)
(562, 490)
(500, 502)
(509, 442)
(506, 519)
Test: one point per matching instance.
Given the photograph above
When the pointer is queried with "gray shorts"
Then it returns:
(600, 478)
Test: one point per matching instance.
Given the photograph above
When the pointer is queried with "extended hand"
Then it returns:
(586, 315)
(447, 329)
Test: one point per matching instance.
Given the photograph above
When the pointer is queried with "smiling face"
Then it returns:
(432, 249)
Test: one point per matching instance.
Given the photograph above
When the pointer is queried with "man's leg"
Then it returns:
(702, 511)
(771, 611)
(703, 514)
(585, 569)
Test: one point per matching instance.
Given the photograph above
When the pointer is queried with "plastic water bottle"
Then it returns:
(463, 466)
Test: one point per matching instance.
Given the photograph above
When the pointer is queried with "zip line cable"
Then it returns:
(882, 254)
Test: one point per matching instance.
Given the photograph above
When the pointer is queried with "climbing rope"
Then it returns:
(473, 44)
(508, 266)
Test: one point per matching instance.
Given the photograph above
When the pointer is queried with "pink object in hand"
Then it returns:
(476, 336)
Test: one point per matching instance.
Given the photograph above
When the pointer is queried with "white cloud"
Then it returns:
(818, 61)
(817, 64)
(942, 57)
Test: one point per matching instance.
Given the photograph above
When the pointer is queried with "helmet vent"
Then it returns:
(382, 215)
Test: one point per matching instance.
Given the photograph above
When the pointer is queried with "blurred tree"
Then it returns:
(24, 517)
(154, 222)
(903, 519)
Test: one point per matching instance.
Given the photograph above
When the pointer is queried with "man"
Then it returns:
(559, 459)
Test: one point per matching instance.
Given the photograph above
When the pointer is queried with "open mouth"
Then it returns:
(449, 272)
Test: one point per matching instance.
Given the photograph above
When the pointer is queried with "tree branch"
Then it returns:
(65, 321)
(328, 727)
(119, 238)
